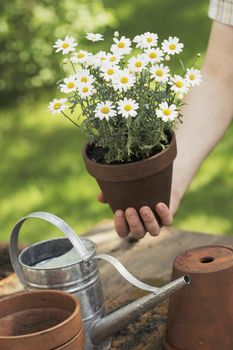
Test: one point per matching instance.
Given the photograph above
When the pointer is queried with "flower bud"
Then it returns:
(116, 34)
(167, 58)
(198, 54)
(65, 61)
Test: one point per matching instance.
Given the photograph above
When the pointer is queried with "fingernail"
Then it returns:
(145, 211)
(130, 212)
(161, 207)
(119, 214)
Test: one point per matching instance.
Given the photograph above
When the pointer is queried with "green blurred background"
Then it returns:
(41, 164)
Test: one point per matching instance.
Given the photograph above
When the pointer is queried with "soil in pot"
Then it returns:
(136, 184)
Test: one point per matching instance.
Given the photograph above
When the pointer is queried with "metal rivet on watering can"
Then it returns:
(70, 264)
(200, 316)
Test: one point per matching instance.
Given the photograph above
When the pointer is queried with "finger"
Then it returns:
(164, 213)
(101, 198)
(135, 224)
(150, 221)
(121, 225)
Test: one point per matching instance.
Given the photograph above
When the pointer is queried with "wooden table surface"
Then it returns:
(150, 260)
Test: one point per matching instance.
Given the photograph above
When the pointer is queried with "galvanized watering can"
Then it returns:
(70, 264)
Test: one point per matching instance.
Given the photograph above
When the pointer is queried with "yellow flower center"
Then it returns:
(128, 108)
(172, 46)
(166, 111)
(152, 55)
(85, 89)
(105, 110)
(80, 55)
(110, 71)
(121, 45)
(83, 80)
(149, 40)
(179, 84)
(159, 72)
(124, 80)
(191, 76)
(138, 64)
(57, 105)
(70, 85)
(65, 45)
(103, 58)
(113, 59)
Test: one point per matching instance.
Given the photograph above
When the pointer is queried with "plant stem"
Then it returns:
(129, 137)
(70, 119)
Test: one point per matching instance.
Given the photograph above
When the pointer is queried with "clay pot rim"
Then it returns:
(129, 165)
(47, 291)
(55, 268)
(72, 340)
(105, 172)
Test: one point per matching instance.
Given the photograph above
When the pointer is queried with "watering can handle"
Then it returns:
(126, 274)
(52, 219)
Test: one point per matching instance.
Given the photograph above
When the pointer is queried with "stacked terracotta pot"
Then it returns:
(42, 320)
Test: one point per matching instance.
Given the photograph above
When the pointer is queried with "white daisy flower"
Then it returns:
(146, 40)
(136, 64)
(113, 58)
(166, 112)
(56, 106)
(98, 59)
(94, 36)
(108, 71)
(154, 55)
(105, 110)
(66, 46)
(179, 84)
(138, 40)
(122, 46)
(160, 73)
(80, 57)
(127, 108)
(70, 84)
(84, 77)
(172, 45)
(85, 90)
(193, 76)
(123, 80)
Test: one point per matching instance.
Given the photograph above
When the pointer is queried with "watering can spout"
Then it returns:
(115, 322)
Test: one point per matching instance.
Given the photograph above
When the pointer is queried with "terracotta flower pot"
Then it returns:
(200, 316)
(135, 184)
(41, 320)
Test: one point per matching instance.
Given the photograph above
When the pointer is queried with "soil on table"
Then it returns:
(5, 262)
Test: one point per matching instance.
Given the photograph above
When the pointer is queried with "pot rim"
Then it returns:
(106, 172)
(71, 340)
(63, 323)
(28, 267)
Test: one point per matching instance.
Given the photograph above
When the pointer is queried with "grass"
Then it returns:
(41, 164)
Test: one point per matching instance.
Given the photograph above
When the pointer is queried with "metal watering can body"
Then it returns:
(81, 277)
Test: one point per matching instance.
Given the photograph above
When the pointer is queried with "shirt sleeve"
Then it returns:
(221, 11)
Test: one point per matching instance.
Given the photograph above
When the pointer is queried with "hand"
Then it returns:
(130, 221)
